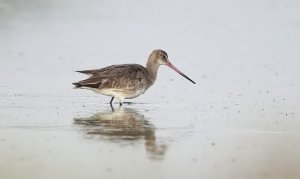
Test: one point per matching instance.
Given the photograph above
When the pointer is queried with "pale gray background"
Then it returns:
(241, 119)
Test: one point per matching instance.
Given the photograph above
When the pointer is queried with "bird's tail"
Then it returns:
(77, 85)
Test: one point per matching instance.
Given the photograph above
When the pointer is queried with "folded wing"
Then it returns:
(125, 76)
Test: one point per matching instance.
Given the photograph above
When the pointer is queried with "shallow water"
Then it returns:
(239, 121)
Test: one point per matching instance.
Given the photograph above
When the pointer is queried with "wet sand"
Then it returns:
(241, 119)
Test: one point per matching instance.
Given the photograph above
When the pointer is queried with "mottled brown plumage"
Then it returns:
(126, 81)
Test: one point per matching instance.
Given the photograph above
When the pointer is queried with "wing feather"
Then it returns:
(127, 76)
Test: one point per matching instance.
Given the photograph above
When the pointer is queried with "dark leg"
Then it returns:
(111, 100)
(112, 108)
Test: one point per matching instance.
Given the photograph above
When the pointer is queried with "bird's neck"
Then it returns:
(152, 68)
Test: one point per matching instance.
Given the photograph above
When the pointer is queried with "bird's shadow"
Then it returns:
(122, 125)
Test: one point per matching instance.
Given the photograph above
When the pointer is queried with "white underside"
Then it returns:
(117, 93)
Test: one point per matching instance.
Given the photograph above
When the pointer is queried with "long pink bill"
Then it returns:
(178, 71)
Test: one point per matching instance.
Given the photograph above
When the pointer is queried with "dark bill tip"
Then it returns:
(178, 71)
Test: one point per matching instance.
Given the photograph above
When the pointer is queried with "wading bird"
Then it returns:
(126, 81)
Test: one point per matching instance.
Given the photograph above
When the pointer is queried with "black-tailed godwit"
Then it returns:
(126, 81)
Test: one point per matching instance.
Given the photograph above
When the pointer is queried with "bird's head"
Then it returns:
(160, 57)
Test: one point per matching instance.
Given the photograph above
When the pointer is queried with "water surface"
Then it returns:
(239, 121)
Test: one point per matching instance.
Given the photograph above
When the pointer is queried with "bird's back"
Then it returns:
(122, 77)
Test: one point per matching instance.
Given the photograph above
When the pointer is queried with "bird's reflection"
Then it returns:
(122, 124)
